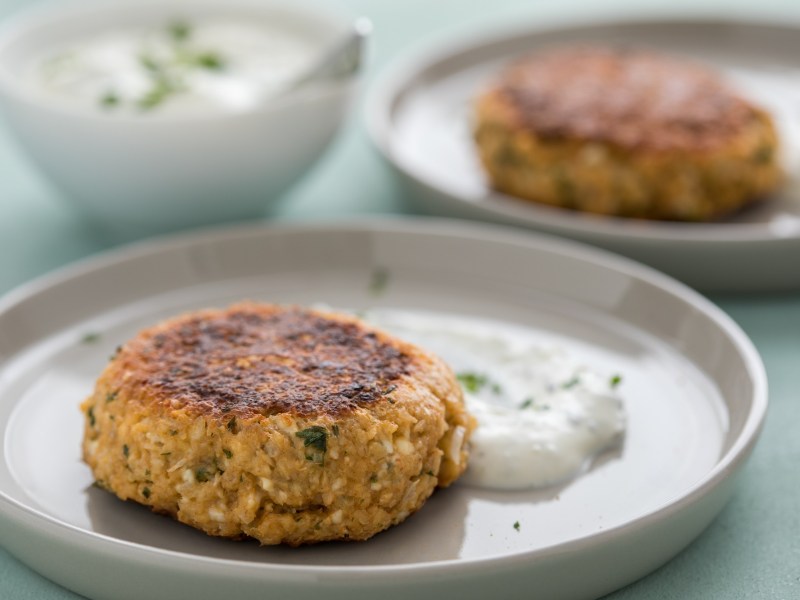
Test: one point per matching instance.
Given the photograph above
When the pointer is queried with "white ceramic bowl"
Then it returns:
(156, 172)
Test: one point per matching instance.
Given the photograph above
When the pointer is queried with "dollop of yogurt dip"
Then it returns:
(542, 417)
(226, 64)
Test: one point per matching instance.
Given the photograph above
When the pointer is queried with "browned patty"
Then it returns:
(631, 98)
(627, 133)
(265, 360)
(284, 424)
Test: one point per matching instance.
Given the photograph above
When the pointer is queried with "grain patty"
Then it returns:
(284, 424)
(625, 132)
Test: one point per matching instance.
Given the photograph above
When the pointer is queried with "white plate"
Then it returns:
(419, 118)
(694, 386)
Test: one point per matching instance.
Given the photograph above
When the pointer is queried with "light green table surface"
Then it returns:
(752, 550)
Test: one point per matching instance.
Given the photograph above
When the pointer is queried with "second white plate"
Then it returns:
(419, 118)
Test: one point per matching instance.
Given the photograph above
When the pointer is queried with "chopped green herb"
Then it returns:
(173, 432)
(125, 450)
(109, 100)
(227, 453)
(615, 381)
(149, 63)
(314, 436)
(209, 60)
(201, 474)
(571, 383)
(379, 281)
(472, 382)
(528, 402)
(516, 525)
(231, 426)
(179, 31)
(335, 430)
(166, 453)
(90, 338)
(566, 188)
(431, 473)
(507, 155)
(161, 90)
(497, 388)
(117, 350)
(90, 414)
(111, 396)
(373, 478)
(762, 155)
(146, 492)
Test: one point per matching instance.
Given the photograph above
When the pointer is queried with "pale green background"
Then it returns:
(751, 551)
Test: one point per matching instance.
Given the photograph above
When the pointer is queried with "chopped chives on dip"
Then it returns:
(222, 63)
(542, 415)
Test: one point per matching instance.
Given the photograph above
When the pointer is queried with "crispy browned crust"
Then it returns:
(634, 99)
(263, 359)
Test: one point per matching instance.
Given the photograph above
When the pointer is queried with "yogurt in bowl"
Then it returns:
(161, 114)
(179, 68)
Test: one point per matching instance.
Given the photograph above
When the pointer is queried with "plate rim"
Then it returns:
(404, 72)
(727, 465)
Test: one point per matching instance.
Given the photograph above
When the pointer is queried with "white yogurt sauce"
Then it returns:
(541, 416)
(220, 64)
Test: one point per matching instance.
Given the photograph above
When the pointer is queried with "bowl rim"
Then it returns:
(26, 21)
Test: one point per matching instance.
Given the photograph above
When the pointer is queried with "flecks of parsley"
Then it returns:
(232, 425)
(161, 90)
(146, 492)
(125, 450)
(335, 430)
(227, 453)
(90, 338)
(615, 381)
(762, 155)
(180, 31)
(111, 396)
(315, 436)
(149, 63)
(516, 525)
(528, 402)
(378, 281)
(209, 60)
(90, 414)
(571, 383)
(109, 100)
(472, 382)
(201, 475)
